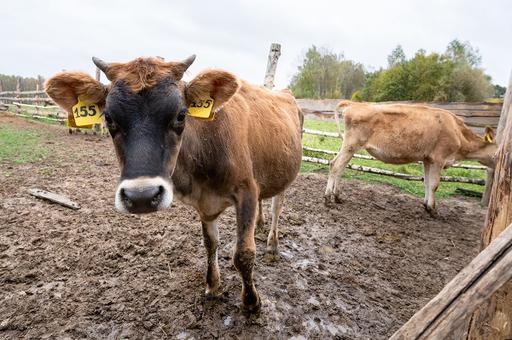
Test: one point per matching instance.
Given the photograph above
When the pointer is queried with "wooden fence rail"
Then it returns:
(368, 157)
(407, 177)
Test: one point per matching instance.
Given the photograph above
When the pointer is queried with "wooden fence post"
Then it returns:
(493, 319)
(273, 57)
(18, 92)
(505, 111)
(37, 99)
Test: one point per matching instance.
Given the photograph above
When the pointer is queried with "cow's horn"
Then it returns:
(102, 65)
(187, 62)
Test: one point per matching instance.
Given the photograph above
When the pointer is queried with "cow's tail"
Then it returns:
(338, 111)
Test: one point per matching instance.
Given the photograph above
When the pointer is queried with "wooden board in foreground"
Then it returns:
(53, 197)
(487, 273)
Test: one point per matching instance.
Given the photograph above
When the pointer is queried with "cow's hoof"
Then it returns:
(252, 308)
(337, 198)
(328, 199)
(271, 255)
(213, 293)
(431, 211)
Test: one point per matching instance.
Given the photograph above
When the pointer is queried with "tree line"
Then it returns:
(8, 83)
(454, 75)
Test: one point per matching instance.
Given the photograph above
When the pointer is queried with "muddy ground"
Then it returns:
(356, 270)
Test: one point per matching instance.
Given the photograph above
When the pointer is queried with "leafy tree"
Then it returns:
(27, 84)
(396, 57)
(324, 74)
(452, 76)
(463, 53)
(499, 91)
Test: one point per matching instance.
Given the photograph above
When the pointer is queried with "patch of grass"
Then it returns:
(416, 188)
(20, 146)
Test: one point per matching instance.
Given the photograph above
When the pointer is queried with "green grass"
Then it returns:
(416, 188)
(20, 146)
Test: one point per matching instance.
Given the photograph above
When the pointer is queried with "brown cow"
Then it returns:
(250, 151)
(405, 133)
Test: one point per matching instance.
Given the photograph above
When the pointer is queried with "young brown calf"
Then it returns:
(404, 133)
(250, 151)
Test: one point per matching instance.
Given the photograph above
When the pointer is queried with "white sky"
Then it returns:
(44, 37)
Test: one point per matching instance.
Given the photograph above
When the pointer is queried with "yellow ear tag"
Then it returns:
(488, 138)
(86, 113)
(202, 109)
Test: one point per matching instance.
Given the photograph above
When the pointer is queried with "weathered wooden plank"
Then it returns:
(53, 197)
(330, 104)
(505, 112)
(23, 99)
(321, 133)
(23, 93)
(497, 311)
(486, 273)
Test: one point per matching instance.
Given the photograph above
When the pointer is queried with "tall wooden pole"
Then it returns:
(505, 112)
(18, 94)
(273, 57)
(268, 82)
(493, 320)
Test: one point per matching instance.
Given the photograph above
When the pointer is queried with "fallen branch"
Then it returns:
(53, 197)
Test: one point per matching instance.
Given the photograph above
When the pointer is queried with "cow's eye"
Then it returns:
(180, 117)
(108, 119)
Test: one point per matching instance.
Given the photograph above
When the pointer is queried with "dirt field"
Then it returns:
(356, 270)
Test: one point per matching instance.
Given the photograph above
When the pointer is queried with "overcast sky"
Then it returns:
(43, 37)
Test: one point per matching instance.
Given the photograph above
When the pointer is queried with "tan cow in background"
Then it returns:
(406, 133)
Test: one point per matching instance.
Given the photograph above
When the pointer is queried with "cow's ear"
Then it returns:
(489, 135)
(216, 84)
(65, 88)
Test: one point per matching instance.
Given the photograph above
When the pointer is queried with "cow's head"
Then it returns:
(486, 154)
(145, 109)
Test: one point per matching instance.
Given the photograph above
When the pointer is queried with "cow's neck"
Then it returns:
(201, 157)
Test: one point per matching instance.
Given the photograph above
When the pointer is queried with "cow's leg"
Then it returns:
(245, 251)
(426, 176)
(337, 166)
(273, 235)
(260, 221)
(434, 175)
(211, 241)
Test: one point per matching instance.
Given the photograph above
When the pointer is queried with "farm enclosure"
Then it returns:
(96, 273)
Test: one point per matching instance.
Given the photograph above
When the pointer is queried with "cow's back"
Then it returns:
(401, 133)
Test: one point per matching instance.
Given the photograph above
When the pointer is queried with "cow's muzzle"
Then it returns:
(143, 195)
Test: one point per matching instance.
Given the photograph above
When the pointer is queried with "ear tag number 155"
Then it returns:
(202, 109)
(86, 113)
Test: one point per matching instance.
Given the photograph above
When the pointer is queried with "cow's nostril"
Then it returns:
(125, 198)
(142, 199)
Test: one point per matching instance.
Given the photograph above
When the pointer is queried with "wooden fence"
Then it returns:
(31, 104)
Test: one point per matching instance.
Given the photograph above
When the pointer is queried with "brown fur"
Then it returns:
(404, 133)
(144, 73)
